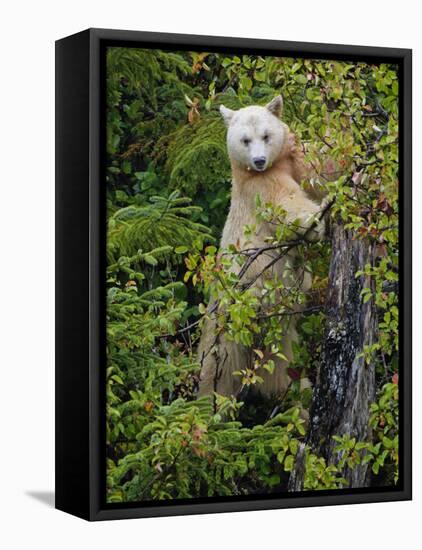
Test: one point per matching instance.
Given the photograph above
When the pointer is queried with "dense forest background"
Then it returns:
(168, 192)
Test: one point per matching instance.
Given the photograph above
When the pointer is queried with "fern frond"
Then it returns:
(147, 227)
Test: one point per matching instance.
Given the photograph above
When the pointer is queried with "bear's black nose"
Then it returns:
(259, 162)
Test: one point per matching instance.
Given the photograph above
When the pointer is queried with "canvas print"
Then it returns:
(252, 308)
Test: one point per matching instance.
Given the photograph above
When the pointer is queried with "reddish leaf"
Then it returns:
(357, 176)
(330, 166)
(148, 406)
(293, 373)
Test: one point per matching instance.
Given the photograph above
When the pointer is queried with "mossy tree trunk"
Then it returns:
(345, 386)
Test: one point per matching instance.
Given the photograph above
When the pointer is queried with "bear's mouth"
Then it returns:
(256, 168)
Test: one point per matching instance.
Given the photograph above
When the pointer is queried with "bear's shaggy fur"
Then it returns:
(257, 133)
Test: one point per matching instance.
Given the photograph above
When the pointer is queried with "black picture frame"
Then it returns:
(80, 272)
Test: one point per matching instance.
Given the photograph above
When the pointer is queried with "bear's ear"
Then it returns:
(275, 106)
(227, 114)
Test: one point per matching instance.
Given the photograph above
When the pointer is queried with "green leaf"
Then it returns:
(288, 463)
(181, 249)
(150, 260)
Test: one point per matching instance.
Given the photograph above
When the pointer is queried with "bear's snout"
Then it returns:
(259, 162)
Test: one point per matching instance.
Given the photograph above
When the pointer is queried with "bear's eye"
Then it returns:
(265, 137)
(246, 141)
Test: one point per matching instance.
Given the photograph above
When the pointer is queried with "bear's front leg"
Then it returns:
(318, 232)
(219, 359)
(311, 218)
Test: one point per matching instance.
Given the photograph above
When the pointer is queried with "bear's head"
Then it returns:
(255, 135)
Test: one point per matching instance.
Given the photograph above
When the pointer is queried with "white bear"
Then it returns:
(265, 163)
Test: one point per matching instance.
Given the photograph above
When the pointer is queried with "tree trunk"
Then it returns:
(345, 387)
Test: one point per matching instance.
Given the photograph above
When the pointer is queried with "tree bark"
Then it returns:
(345, 386)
